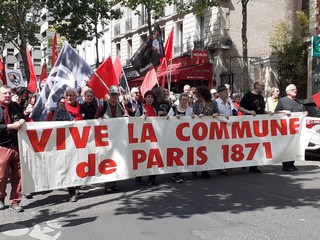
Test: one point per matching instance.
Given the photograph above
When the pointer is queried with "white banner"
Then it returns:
(63, 154)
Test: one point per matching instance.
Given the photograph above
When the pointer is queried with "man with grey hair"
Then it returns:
(11, 120)
(287, 105)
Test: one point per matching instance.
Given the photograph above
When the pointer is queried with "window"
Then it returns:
(200, 27)
(10, 51)
(117, 29)
(129, 49)
(179, 40)
(103, 48)
(143, 17)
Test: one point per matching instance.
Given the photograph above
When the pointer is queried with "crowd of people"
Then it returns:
(17, 104)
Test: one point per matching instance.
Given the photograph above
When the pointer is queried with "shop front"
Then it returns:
(183, 70)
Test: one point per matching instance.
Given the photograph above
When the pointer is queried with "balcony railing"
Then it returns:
(199, 44)
(178, 49)
(117, 29)
(129, 24)
(128, 63)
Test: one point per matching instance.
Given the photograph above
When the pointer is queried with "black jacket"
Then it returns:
(9, 137)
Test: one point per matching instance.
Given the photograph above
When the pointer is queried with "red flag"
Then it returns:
(3, 73)
(316, 99)
(117, 68)
(43, 74)
(107, 78)
(168, 51)
(54, 51)
(32, 83)
(149, 81)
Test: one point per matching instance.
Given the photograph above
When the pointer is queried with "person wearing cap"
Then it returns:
(214, 94)
(224, 102)
(134, 103)
(111, 108)
(225, 108)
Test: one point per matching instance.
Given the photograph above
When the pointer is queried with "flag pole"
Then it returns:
(104, 84)
(169, 82)
(127, 84)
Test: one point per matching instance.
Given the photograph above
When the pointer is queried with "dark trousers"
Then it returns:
(9, 160)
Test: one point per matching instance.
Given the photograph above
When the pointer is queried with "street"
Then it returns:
(241, 205)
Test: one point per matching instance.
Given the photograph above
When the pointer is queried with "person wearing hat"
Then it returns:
(225, 105)
(225, 109)
(111, 108)
(214, 94)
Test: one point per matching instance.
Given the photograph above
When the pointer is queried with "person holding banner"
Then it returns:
(226, 108)
(181, 110)
(205, 106)
(148, 111)
(287, 105)
(111, 108)
(11, 120)
(69, 111)
(253, 103)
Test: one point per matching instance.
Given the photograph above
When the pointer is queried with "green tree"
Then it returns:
(78, 20)
(197, 7)
(18, 25)
(288, 43)
(153, 8)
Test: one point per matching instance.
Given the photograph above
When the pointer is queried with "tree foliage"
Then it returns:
(197, 7)
(16, 28)
(288, 43)
(154, 8)
(78, 20)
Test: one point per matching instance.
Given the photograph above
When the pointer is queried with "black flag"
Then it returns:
(149, 53)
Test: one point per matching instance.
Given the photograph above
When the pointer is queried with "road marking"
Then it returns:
(14, 230)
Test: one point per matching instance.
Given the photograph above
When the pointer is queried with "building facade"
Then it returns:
(218, 32)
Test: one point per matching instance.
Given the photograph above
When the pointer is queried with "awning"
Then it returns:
(196, 72)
